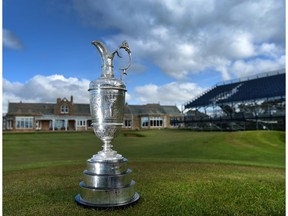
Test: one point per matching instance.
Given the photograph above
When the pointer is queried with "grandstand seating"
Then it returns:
(266, 87)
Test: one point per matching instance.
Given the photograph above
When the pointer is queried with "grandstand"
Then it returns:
(251, 103)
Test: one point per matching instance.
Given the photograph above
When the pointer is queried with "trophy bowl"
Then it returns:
(107, 101)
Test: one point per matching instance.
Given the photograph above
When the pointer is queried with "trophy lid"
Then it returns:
(106, 83)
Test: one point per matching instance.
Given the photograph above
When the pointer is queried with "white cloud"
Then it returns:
(270, 50)
(243, 68)
(188, 37)
(182, 38)
(45, 89)
(10, 40)
(174, 93)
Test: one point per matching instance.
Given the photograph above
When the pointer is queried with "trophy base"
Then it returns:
(107, 183)
(82, 202)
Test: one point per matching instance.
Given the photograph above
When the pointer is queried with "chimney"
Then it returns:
(71, 99)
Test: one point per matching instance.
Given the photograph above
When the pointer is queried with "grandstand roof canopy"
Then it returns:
(263, 86)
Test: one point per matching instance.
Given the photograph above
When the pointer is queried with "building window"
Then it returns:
(64, 109)
(144, 122)
(156, 122)
(127, 123)
(24, 122)
(175, 121)
(81, 123)
(9, 124)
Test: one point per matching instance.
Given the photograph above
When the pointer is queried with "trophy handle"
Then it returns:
(124, 46)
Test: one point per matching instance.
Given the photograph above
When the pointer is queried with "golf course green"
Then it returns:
(178, 172)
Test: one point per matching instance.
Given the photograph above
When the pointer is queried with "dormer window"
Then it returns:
(64, 109)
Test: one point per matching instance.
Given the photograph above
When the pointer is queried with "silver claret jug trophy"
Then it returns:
(107, 180)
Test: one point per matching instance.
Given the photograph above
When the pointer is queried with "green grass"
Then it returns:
(177, 172)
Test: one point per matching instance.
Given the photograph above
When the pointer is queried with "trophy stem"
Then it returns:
(107, 146)
(107, 153)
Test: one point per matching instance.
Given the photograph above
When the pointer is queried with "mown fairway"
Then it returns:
(177, 172)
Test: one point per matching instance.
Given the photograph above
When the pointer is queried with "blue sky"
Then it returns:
(179, 48)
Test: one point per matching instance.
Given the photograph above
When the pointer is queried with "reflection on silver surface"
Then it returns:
(79, 200)
(111, 196)
(107, 181)
(107, 167)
